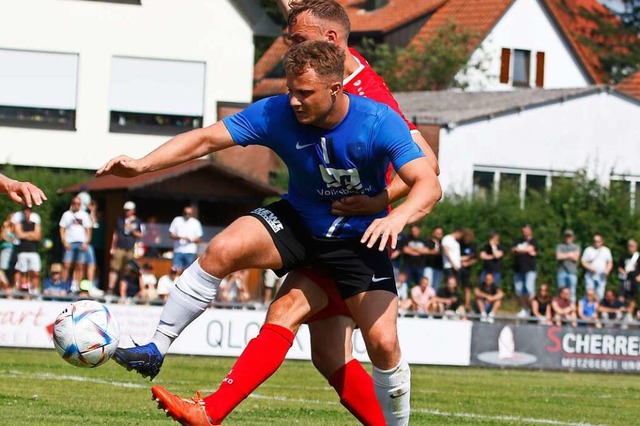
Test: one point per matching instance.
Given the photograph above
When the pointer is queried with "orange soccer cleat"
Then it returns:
(186, 411)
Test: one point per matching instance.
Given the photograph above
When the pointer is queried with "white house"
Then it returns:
(82, 81)
(529, 136)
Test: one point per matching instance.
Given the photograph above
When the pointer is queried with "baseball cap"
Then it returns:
(129, 205)
(56, 267)
(568, 232)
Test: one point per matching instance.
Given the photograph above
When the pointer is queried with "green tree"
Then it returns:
(429, 65)
(615, 39)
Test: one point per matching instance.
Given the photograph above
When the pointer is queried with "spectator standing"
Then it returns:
(433, 258)
(488, 298)
(598, 263)
(233, 288)
(151, 238)
(166, 283)
(563, 308)
(128, 231)
(629, 274)
(469, 257)
(568, 255)
(27, 225)
(186, 231)
(588, 308)
(97, 244)
(525, 251)
(423, 297)
(541, 305)
(451, 255)
(75, 233)
(491, 254)
(8, 240)
(85, 197)
(611, 308)
(413, 251)
(54, 285)
(402, 287)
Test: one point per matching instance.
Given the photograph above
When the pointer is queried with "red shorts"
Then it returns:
(335, 305)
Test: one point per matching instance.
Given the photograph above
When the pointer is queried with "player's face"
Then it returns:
(311, 97)
(305, 28)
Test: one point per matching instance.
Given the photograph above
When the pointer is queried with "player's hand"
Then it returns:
(360, 205)
(385, 230)
(26, 193)
(122, 166)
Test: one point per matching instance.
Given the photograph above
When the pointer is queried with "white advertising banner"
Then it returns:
(225, 332)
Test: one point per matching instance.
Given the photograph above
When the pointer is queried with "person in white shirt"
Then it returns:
(598, 263)
(186, 231)
(451, 255)
(75, 233)
(166, 283)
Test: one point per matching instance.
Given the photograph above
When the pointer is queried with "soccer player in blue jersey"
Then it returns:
(334, 145)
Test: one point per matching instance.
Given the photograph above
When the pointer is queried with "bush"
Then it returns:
(580, 203)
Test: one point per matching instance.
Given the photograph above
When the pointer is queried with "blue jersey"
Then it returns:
(328, 164)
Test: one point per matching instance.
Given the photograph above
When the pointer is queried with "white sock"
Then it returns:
(393, 389)
(192, 294)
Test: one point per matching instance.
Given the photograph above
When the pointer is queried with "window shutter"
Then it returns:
(504, 66)
(540, 69)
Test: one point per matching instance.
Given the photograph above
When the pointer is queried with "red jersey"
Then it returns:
(366, 82)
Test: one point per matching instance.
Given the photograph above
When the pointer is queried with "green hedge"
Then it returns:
(579, 203)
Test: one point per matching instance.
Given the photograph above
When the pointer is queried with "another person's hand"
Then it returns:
(25, 193)
(122, 166)
(360, 205)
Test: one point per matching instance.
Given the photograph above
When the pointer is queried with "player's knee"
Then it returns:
(383, 346)
(286, 311)
(219, 258)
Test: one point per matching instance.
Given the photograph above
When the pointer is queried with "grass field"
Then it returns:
(38, 388)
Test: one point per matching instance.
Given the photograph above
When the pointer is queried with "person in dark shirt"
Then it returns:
(468, 257)
(488, 298)
(611, 307)
(629, 274)
(541, 305)
(128, 232)
(448, 299)
(525, 251)
(53, 284)
(433, 258)
(491, 255)
(413, 250)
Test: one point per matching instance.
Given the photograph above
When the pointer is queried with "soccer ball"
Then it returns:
(85, 334)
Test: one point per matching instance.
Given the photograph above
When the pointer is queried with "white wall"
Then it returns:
(209, 31)
(598, 132)
(527, 26)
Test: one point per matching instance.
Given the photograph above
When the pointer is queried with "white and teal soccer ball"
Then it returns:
(85, 334)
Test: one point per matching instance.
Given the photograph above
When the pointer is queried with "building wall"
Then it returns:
(197, 30)
(526, 25)
(595, 132)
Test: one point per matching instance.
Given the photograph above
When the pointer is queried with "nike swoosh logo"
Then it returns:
(298, 146)
(377, 280)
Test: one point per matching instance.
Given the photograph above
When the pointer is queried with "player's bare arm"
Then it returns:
(22, 192)
(424, 194)
(177, 150)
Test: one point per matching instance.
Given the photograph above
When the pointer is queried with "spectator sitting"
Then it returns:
(130, 283)
(541, 305)
(234, 289)
(402, 287)
(148, 282)
(588, 308)
(611, 307)
(422, 297)
(166, 283)
(563, 308)
(53, 284)
(488, 298)
(448, 300)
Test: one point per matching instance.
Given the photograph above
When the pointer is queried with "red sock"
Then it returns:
(355, 389)
(260, 359)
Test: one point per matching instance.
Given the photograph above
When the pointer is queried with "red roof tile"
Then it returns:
(393, 15)
(630, 85)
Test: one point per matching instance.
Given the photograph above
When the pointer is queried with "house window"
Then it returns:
(536, 183)
(483, 183)
(153, 96)
(521, 67)
(38, 89)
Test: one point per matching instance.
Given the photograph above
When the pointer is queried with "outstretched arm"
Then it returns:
(177, 150)
(21, 192)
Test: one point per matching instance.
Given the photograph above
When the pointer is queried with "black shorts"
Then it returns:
(290, 236)
(354, 267)
(465, 278)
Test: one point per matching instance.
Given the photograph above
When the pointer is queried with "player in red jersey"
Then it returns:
(331, 328)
